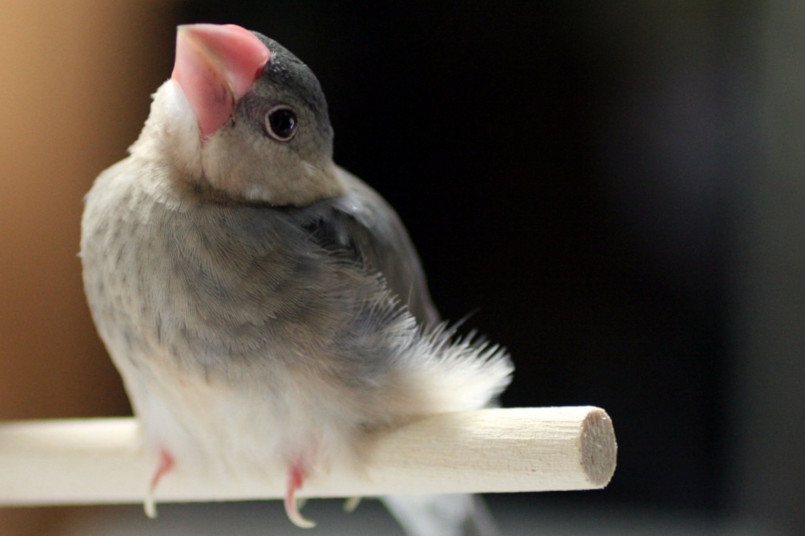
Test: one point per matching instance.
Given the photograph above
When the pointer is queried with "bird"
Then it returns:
(265, 308)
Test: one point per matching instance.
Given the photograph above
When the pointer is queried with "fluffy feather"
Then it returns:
(264, 318)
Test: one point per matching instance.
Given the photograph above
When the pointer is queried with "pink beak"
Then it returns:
(215, 66)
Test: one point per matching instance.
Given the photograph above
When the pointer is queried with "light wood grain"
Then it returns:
(493, 450)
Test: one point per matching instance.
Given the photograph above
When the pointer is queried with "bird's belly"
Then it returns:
(227, 429)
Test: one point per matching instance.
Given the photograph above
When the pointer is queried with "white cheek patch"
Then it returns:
(171, 132)
(176, 109)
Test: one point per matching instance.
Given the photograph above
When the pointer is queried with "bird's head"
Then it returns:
(242, 118)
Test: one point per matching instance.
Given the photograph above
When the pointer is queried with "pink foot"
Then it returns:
(296, 477)
(165, 466)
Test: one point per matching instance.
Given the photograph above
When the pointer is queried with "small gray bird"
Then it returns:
(264, 307)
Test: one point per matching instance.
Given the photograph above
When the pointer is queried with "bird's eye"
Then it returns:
(281, 123)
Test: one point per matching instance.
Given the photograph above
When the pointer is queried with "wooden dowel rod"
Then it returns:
(493, 450)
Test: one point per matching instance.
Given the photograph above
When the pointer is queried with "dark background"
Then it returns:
(567, 174)
(614, 191)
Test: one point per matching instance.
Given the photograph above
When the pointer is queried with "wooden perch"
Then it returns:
(492, 450)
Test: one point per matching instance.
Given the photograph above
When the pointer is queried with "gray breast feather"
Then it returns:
(270, 297)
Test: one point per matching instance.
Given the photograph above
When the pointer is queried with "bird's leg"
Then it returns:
(296, 478)
(165, 466)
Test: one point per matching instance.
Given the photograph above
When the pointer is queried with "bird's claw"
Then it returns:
(166, 463)
(296, 477)
(351, 504)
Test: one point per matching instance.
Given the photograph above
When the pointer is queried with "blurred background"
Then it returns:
(615, 192)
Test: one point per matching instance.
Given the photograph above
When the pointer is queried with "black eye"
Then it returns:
(281, 123)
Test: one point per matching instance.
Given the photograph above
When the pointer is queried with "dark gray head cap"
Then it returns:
(287, 74)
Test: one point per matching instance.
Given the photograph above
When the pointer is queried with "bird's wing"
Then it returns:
(363, 225)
